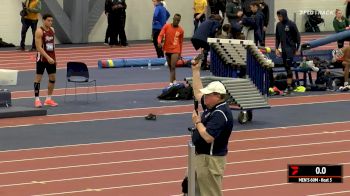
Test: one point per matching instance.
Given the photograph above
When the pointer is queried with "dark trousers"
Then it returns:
(121, 30)
(113, 24)
(117, 29)
(25, 26)
(198, 44)
(155, 34)
(108, 30)
(288, 64)
(197, 21)
(263, 38)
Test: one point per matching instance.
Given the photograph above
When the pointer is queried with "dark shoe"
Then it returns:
(32, 50)
(151, 117)
(21, 48)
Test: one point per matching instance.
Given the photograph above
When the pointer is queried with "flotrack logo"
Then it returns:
(313, 12)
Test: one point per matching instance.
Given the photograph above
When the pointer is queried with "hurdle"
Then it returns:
(228, 58)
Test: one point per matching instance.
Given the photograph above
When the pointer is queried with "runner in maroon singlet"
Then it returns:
(46, 59)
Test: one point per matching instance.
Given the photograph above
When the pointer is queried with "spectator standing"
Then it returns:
(258, 18)
(199, 7)
(108, 10)
(266, 11)
(120, 25)
(160, 16)
(30, 18)
(233, 11)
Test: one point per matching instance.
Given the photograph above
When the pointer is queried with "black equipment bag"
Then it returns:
(5, 98)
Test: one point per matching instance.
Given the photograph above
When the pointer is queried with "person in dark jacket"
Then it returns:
(288, 36)
(121, 17)
(207, 29)
(160, 16)
(266, 11)
(108, 9)
(246, 7)
(221, 6)
(214, 9)
(258, 26)
(234, 11)
(116, 20)
(234, 15)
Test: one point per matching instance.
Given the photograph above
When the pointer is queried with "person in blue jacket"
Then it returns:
(207, 29)
(160, 16)
(258, 26)
(288, 37)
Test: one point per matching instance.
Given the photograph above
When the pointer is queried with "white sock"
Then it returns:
(37, 98)
(48, 97)
(346, 83)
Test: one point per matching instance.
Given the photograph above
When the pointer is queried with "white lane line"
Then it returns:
(162, 158)
(91, 154)
(181, 146)
(160, 183)
(93, 177)
(94, 164)
(174, 137)
(310, 103)
(90, 120)
(331, 193)
(290, 157)
(132, 173)
(287, 136)
(110, 188)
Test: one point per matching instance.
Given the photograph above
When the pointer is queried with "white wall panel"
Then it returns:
(296, 7)
(138, 25)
